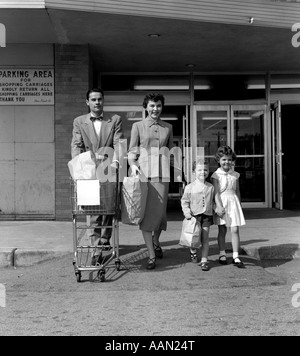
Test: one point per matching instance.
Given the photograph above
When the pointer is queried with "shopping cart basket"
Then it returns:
(92, 198)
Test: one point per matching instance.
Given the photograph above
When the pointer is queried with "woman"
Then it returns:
(151, 140)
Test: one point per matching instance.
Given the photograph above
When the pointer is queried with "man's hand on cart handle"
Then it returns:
(99, 157)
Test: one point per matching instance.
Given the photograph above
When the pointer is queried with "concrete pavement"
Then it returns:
(268, 234)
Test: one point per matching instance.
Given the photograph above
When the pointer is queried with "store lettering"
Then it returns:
(25, 74)
(296, 37)
(42, 74)
(2, 35)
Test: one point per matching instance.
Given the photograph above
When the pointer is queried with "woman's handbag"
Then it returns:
(190, 233)
(133, 200)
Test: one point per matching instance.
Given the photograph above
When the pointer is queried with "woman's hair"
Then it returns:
(153, 97)
(94, 90)
(202, 161)
(224, 151)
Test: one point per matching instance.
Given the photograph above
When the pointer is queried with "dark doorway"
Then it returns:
(290, 124)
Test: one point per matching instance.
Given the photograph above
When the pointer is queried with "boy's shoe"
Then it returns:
(204, 266)
(194, 258)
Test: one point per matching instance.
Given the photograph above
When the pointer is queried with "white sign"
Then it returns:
(88, 192)
(26, 86)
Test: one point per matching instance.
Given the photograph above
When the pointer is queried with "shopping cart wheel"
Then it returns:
(78, 276)
(118, 265)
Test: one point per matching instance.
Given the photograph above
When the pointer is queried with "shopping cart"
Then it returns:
(105, 200)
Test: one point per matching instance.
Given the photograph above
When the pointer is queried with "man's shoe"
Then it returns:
(96, 260)
(104, 241)
(151, 263)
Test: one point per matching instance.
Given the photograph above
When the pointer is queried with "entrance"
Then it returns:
(290, 127)
(174, 115)
(243, 128)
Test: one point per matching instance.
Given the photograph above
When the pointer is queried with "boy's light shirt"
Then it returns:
(191, 201)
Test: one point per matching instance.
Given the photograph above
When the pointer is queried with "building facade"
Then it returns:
(230, 72)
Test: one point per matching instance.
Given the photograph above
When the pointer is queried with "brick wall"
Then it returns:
(72, 80)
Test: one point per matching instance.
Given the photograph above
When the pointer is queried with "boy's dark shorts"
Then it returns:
(205, 220)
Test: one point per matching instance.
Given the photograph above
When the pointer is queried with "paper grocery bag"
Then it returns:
(83, 166)
(190, 233)
(133, 200)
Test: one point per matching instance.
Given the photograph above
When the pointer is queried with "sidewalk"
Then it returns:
(268, 234)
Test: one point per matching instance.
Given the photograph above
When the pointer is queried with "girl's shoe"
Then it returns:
(204, 266)
(238, 264)
(151, 263)
(194, 257)
(223, 260)
(158, 251)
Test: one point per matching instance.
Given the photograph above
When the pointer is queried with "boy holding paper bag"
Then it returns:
(196, 202)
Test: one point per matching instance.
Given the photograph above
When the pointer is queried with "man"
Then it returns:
(100, 133)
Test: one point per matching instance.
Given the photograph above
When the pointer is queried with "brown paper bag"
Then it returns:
(133, 200)
(190, 233)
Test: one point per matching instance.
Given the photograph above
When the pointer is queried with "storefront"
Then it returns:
(252, 127)
(226, 80)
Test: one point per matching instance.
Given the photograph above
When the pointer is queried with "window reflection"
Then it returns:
(249, 132)
(252, 178)
(211, 130)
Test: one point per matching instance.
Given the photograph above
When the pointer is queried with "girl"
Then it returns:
(228, 207)
(197, 201)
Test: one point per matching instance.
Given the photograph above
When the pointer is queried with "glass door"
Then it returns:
(248, 141)
(242, 127)
(211, 129)
(277, 156)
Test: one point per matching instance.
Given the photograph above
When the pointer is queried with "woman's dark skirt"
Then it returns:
(156, 207)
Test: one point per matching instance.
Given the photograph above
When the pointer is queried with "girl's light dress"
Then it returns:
(227, 188)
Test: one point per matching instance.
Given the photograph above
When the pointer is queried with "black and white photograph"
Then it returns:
(148, 170)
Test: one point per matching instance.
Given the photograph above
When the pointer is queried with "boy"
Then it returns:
(197, 201)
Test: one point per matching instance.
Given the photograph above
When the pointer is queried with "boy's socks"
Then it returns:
(203, 259)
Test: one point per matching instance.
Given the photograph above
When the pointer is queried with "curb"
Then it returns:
(14, 257)
(276, 252)
(6, 257)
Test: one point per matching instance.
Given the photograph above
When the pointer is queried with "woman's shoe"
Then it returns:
(238, 264)
(223, 260)
(151, 263)
(194, 257)
(158, 251)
